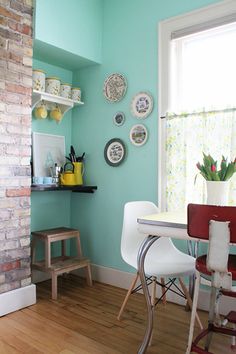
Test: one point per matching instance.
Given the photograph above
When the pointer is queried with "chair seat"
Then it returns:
(171, 266)
(202, 267)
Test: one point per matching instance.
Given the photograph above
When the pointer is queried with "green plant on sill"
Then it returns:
(209, 168)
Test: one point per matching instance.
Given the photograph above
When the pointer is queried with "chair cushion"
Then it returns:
(202, 267)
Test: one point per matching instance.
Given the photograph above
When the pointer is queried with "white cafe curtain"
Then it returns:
(188, 136)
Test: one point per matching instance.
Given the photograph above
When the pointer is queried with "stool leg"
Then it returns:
(79, 250)
(193, 313)
(89, 275)
(47, 254)
(211, 316)
(54, 286)
(63, 248)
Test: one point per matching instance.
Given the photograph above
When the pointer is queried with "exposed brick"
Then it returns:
(27, 41)
(27, 61)
(2, 278)
(18, 254)
(2, 85)
(21, 171)
(15, 142)
(9, 245)
(3, 43)
(19, 68)
(6, 13)
(20, 213)
(2, 236)
(25, 282)
(5, 3)
(17, 88)
(16, 5)
(25, 242)
(3, 21)
(17, 274)
(5, 214)
(9, 286)
(2, 193)
(5, 33)
(5, 171)
(18, 192)
(26, 80)
(9, 224)
(5, 267)
(21, 130)
(7, 203)
(25, 222)
(15, 58)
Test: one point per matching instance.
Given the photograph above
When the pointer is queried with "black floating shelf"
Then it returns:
(76, 189)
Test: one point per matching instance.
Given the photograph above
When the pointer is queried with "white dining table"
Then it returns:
(166, 224)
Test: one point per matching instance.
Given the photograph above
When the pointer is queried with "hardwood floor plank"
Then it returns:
(84, 321)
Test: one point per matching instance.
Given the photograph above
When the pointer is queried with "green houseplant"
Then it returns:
(217, 180)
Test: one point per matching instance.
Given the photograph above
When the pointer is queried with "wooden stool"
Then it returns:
(62, 264)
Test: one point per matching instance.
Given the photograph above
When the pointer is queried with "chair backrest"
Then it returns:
(218, 224)
(199, 216)
(131, 238)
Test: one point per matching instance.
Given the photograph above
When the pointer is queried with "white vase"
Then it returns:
(217, 192)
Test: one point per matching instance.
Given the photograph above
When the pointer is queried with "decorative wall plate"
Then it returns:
(138, 134)
(114, 87)
(141, 105)
(119, 118)
(114, 152)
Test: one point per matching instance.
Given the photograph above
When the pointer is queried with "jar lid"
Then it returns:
(65, 83)
(52, 78)
(75, 88)
(39, 70)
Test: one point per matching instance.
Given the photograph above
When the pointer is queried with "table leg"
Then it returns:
(147, 243)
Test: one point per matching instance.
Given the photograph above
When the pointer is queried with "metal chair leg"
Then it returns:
(211, 317)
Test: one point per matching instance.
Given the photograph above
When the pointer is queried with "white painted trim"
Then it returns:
(165, 28)
(17, 299)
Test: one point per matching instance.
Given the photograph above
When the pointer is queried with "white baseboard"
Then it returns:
(123, 280)
(17, 299)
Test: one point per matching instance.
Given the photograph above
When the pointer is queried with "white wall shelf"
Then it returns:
(50, 100)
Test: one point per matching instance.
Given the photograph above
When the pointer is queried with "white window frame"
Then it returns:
(188, 21)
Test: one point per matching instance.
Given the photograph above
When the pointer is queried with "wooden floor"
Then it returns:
(83, 320)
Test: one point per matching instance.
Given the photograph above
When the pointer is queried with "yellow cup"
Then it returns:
(78, 171)
(41, 112)
(56, 114)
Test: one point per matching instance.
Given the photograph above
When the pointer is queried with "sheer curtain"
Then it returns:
(187, 137)
(202, 77)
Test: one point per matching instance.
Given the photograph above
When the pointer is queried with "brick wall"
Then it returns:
(15, 142)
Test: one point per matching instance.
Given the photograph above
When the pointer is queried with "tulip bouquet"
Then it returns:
(210, 172)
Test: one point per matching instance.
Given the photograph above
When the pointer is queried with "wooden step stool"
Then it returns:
(63, 264)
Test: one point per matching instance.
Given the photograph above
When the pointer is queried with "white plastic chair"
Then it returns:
(163, 259)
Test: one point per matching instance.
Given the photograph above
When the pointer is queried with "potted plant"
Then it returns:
(217, 180)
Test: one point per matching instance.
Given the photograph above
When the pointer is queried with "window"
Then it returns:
(197, 99)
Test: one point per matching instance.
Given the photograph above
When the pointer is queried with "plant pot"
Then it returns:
(217, 192)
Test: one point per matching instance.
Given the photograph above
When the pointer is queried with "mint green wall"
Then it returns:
(130, 46)
(74, 26)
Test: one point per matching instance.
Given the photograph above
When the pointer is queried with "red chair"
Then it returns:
(216, 224)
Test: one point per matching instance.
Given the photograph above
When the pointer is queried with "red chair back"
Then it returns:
(199, 216)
